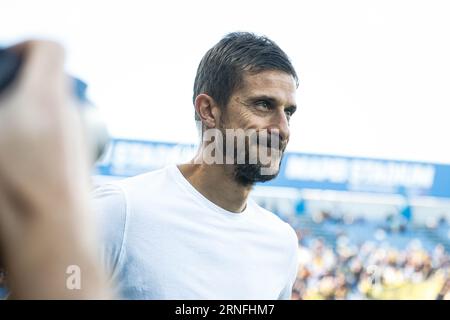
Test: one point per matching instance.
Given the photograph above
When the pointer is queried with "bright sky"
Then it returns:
(375, 75)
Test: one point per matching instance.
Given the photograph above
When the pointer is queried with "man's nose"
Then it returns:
(280, 123)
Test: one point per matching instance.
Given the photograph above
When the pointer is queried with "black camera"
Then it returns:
(95, 127)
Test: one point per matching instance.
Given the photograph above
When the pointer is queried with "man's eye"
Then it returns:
(263, 104)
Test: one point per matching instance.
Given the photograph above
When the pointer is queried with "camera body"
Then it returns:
(95, 128)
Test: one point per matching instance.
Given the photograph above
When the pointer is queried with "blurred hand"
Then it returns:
(44, 176)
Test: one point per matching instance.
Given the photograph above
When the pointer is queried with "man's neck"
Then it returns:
(216, 183)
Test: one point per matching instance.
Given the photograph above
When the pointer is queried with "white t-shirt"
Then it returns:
(162, 239)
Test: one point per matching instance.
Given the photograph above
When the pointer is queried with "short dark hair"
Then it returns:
(221, 69)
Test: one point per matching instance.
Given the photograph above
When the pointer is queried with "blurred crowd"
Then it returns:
(371, 271)
(344, 268)
(3, 290)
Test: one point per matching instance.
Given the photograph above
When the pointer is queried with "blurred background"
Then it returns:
(366, 179)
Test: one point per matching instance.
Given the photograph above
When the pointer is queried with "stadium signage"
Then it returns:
(299, 170)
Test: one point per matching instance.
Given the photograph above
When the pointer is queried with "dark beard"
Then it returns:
(249, 174)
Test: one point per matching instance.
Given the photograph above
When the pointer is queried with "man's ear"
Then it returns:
(207, 110)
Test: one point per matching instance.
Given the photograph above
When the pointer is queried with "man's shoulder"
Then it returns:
(147, 179)
(268, 215)
(117, 202)
(275, 223)
(132, 192)
(143, 181)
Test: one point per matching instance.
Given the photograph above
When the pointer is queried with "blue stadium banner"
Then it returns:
(299, 170)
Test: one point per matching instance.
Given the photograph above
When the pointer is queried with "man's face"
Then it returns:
(265, 103)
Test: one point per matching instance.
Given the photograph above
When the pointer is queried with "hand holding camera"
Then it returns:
(44, 180)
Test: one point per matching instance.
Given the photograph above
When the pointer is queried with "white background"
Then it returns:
(375, 75)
